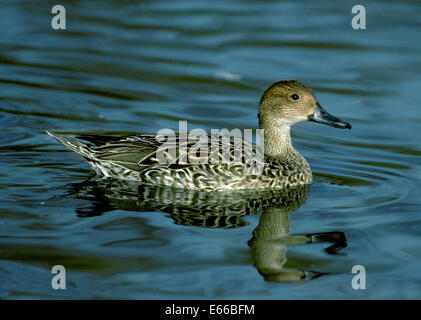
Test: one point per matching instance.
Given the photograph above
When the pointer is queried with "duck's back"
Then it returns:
(210, 162)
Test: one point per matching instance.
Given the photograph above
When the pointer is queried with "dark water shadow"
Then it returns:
(270, 240)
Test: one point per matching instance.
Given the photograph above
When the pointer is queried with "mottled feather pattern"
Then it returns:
(135, 158)
(220, 160)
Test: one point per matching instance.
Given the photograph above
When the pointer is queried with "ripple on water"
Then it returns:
(139, 67)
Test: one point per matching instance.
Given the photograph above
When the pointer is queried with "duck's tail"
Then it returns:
(74, 145)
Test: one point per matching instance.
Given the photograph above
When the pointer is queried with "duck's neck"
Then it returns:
(277, 142)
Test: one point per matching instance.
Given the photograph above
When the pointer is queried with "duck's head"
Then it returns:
(287, 102)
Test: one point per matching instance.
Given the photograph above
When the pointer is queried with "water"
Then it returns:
(126, 67)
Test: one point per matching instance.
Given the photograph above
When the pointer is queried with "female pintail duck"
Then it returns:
(140, 157)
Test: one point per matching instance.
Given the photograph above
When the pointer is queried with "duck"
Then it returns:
(203, 163)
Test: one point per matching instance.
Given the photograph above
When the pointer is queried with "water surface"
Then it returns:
(125, 67)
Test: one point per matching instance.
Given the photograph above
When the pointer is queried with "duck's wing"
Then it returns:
(132, 152)
(145, 150)
(126, 151)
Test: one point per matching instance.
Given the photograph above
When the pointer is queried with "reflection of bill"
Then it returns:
(270, 239)
(270, 242)
(220, 147)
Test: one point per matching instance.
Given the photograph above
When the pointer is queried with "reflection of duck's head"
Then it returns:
(212, 210)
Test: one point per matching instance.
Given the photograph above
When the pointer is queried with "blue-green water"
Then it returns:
(128, 66)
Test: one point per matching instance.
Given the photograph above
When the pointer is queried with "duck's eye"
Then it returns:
(295, 96)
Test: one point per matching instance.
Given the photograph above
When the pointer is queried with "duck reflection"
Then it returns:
(270, 239)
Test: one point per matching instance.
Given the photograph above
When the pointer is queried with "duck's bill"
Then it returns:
(322, 116)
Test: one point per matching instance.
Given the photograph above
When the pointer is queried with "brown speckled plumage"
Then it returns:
(136, 157)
